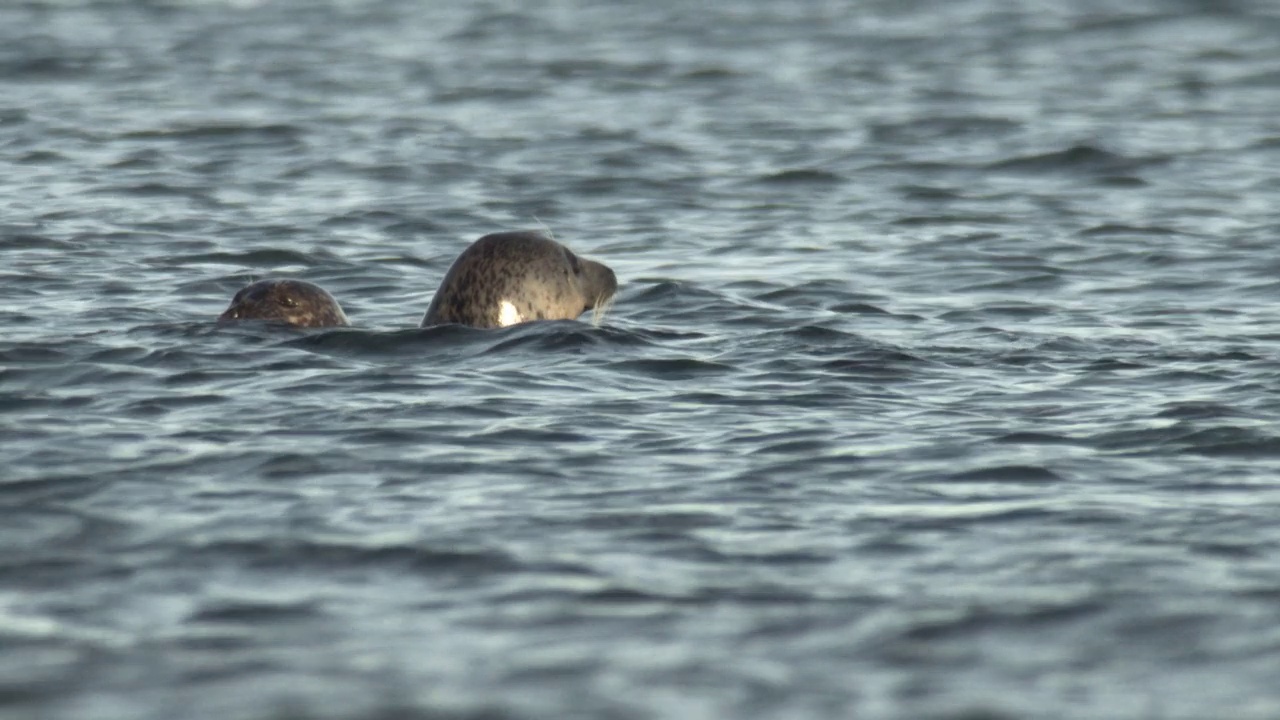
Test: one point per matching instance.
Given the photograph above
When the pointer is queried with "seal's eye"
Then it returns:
(288, 302)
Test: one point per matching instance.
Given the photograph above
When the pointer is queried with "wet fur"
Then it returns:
(541, 278)
(290, 302)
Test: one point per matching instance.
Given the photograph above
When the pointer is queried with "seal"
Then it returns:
(292, 302)
(513, 277)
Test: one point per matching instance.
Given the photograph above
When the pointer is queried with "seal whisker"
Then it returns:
(602, 306)
(545, 228)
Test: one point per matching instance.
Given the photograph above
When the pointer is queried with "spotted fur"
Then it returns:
(291, 302)
(525, 274)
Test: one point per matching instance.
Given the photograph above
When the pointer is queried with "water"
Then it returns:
(942, 382)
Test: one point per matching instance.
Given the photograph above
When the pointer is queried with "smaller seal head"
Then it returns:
(292, 302)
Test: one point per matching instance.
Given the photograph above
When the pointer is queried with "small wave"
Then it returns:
(1121, 230)
(1034, 474)
(811, 293)
(1034, 438)
(927, 193)
(501, 25)
(862, 308)
(666, 290)
(43, 57)
(1078, 159)
(942, 128)
(265, 257)
(334, 554)
(373, 344)
(1232, 442)
(951, 218)
(560, 335)
(158, 190)
(438, 340)
(241, 133)
(252, 611)
(1200, 410)
(800, 176)
(672, 368)
(710, 73)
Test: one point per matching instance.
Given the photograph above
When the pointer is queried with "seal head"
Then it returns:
(514, 277)
(292, 302)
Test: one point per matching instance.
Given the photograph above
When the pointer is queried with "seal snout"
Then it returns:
(600, 284)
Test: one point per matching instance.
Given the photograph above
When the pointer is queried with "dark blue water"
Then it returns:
(943, 380)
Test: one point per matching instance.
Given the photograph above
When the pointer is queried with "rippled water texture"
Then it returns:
(943, 380)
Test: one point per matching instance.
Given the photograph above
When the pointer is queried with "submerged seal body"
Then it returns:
(514, 277)
(293, 302)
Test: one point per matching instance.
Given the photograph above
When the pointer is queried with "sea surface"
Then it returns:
(943, 380)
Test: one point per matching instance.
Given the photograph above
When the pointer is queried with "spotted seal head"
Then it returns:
(292, 302)
(514, 277)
